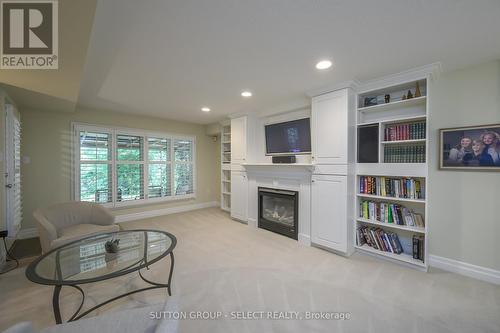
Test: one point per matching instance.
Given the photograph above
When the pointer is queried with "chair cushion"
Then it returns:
(78, 231)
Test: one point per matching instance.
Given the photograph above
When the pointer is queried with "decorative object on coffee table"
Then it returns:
(111, 246)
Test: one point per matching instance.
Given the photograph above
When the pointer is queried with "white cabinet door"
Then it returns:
(329, 212)
(330, 128)
(239, 195)
(239, 140)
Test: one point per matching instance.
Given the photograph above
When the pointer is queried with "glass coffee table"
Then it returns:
(102, 257)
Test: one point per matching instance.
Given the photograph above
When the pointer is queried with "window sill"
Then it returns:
(147, 202)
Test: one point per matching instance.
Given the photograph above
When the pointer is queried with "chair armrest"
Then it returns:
(101, 215)
(46, 231)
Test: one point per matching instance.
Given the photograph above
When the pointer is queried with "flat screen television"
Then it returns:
(289, 138)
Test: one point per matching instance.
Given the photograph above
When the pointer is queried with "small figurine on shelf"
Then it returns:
(387, 98)
(409, 94)
(417, 91)
(403, 97)
(370, 101)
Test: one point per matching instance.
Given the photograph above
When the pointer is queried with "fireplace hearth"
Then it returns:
(278, 211)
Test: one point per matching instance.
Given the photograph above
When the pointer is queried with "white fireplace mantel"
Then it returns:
(293, 177)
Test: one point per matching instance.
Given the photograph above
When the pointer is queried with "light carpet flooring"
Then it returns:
(223, 265)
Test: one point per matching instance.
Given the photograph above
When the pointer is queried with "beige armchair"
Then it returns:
(63, 223)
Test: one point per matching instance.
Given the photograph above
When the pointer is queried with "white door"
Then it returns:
(238, 140)
(12, 165)
(329, 212)
(330, 127)
(239, 195)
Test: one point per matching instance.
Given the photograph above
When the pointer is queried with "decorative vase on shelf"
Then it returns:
(409, 94)
(417, 91)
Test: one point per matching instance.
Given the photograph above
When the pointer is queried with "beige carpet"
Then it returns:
(223, 265)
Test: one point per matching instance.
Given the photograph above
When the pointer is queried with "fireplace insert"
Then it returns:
(278, 211)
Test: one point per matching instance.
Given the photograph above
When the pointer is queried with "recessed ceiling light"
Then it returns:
(324, 64)
(204, 109)
(246, 94)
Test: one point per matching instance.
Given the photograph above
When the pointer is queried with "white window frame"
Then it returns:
(114, 131)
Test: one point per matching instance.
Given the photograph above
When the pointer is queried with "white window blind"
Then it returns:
(13, 193)
(183, 170)
(95, 172)
(119, 166)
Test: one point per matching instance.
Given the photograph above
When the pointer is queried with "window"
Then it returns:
(118, 167)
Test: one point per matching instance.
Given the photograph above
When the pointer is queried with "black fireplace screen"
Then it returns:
(278, 211)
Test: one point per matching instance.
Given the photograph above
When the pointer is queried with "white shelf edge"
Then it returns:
(402, 141)
(393, 120)
(226, 193)
(390, 198)
(405, 170)
(392, 225)
(392, 105)
(401, 257)
(403, 119)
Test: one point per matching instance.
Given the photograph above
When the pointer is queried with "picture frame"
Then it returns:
(474, 148)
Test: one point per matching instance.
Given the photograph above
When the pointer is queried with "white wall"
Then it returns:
(464, 206)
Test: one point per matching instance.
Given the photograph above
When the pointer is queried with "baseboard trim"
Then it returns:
(304, 239)
(27, 233)
(466, 269)
(164, 211)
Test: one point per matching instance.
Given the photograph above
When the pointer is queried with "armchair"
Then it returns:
(63, 223)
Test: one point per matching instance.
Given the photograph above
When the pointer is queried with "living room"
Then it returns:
(179, 166)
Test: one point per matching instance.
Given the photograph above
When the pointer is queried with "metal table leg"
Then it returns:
(55, 304)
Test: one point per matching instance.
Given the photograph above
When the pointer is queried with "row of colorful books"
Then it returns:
(379, 239)
(410, 131)
(384, 241)
(404, 154)
(408, 188)
(385, 212)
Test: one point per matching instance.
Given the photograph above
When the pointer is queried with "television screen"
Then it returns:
(289, 138)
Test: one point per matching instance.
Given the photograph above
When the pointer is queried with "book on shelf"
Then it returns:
(418, 247)
(385, 212)
(379, 239)
(408, 188)
(404, 154)
(390, 242)
(409, 131)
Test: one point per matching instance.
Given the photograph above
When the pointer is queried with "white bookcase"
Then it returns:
(398, 157)
(225, 201)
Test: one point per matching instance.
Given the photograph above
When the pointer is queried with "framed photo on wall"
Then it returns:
(470, 148)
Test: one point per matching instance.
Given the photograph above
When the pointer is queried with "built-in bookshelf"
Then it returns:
(225, 202)
(391, 171)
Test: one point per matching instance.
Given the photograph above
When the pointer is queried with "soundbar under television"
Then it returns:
(289, 138)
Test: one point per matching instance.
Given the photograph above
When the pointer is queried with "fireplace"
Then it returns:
(278, 211)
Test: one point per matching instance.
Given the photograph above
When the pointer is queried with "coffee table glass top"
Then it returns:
(92, 259)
